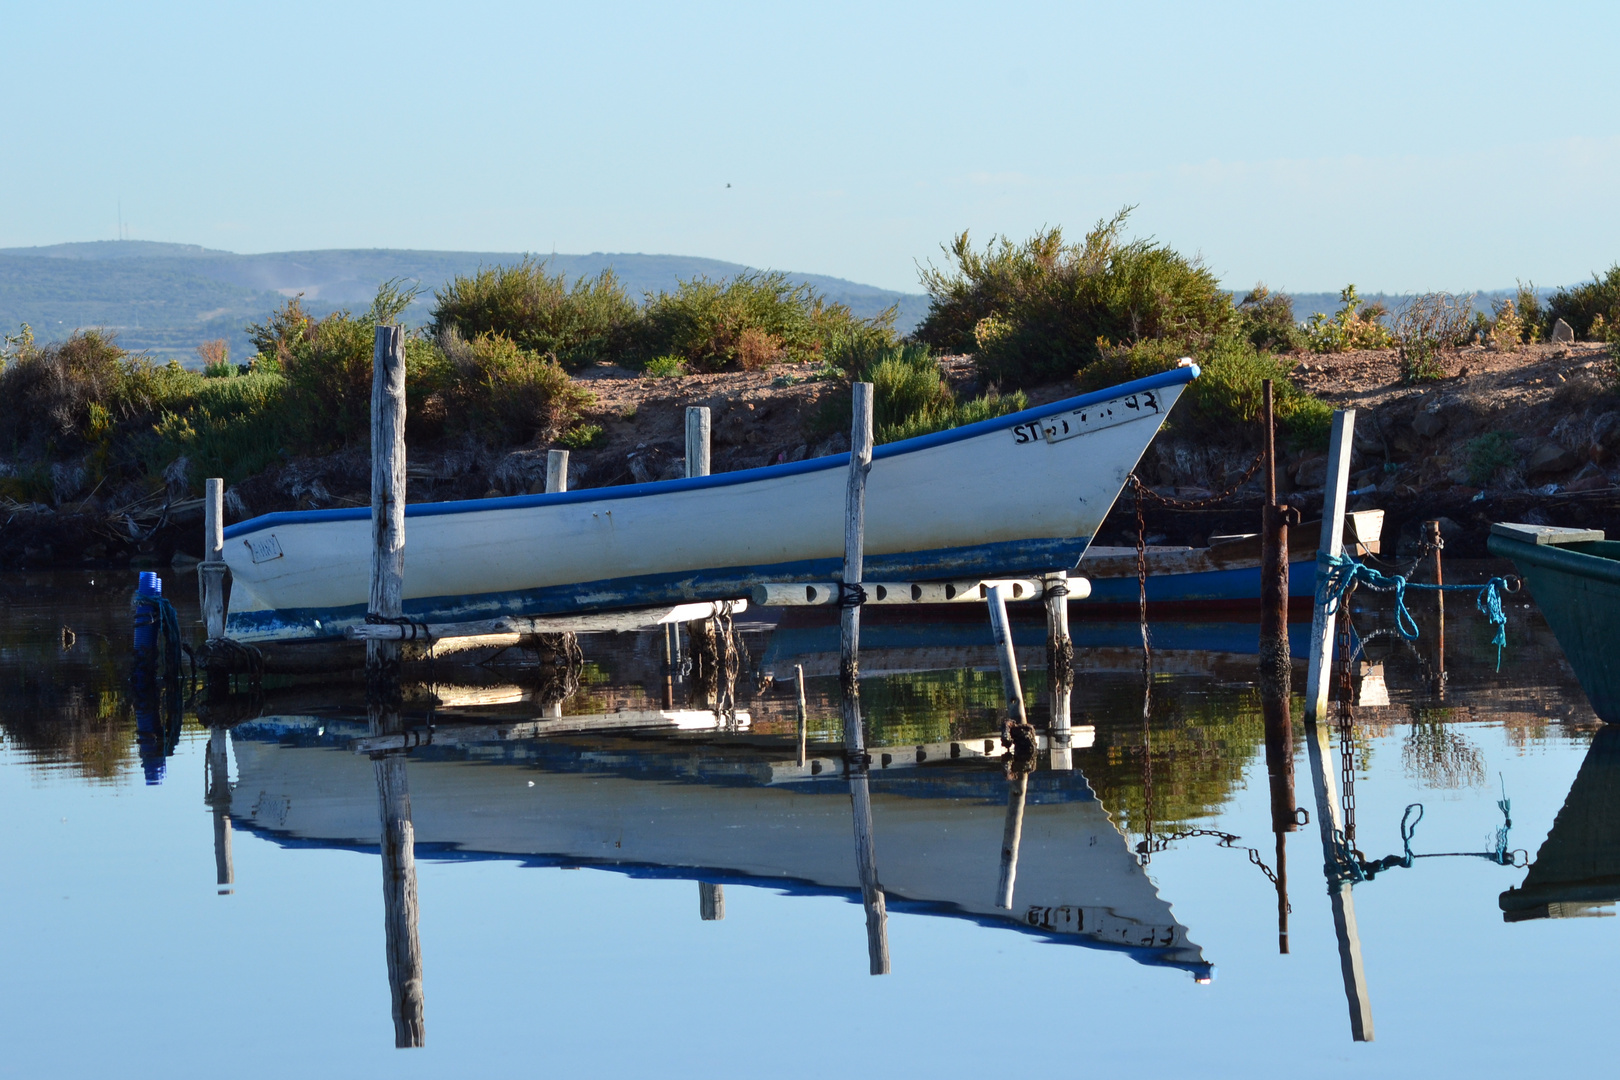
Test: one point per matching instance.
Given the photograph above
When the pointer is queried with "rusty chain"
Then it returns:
(1347, 762)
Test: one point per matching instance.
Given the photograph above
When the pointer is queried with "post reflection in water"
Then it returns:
(217, 785)
(860, 800)
(1013, 832)
(1275, 706)
(398, 843)
(1330, 824)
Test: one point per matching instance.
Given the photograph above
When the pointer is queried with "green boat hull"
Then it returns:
(1577, 587)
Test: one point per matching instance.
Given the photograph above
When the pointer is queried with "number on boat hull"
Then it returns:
(1091, 418)
(263, 548)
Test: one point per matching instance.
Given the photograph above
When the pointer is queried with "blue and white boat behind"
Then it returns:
(1016, 495)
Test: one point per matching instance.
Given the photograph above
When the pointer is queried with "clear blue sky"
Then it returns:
(1401, 146)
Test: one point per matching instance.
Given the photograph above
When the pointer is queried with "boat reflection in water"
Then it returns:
(1577, 871)
(650, 805)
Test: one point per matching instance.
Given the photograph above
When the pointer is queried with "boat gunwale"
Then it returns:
(1178, 376)
(1554, 557)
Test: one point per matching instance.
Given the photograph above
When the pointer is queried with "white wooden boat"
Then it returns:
(673, 811)
(1017, 495)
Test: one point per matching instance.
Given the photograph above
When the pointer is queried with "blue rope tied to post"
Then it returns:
(1345, 571)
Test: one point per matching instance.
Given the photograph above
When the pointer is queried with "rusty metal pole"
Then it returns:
(1276, 663)
(1438, 543)
(1274, 656)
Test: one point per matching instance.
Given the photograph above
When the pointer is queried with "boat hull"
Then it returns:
(990, 499)
(1577, 588)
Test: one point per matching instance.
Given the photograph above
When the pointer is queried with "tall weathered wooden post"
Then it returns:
(697, 440)
(211, 572)
(398, 839)
(556, 471)
(1336, 495)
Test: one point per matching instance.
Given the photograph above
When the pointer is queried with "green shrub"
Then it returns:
(1579, 305)
(1039, 310)
(1354, 326)
(1488, 453)
(70, 393)
(216, 358)
(539, 313)
(1267, 320)
(503, 394)
(232, 428)
(1532, 313)
(1228, 388)
(665, 367)
(583, 437)
(751, 320)
(1506, 326)
(327, 364)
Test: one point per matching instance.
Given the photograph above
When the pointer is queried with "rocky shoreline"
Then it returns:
(1531, 435)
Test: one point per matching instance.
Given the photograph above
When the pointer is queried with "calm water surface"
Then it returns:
(562, 880)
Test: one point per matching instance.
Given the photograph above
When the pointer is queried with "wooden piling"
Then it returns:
(387, 490)
(1332, 544)
(697, 440)
(1016, 731)
(711, 902)
(211, 572)
(556, 471)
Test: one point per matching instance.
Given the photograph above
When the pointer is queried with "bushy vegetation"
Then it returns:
(1582, 305)
(537, 311)
(502, 393)
(1266, 318)
(1043, 309)
(127, 417)
(704, 325)
(1354, 326)
(307, 392)
(750, 321)
(1488, 453)
(910, 394)
(1425, 328)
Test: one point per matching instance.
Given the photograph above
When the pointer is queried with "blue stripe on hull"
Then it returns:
(1242, 583)
(1005, 559)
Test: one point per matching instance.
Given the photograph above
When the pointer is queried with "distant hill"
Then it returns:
(168, 298)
